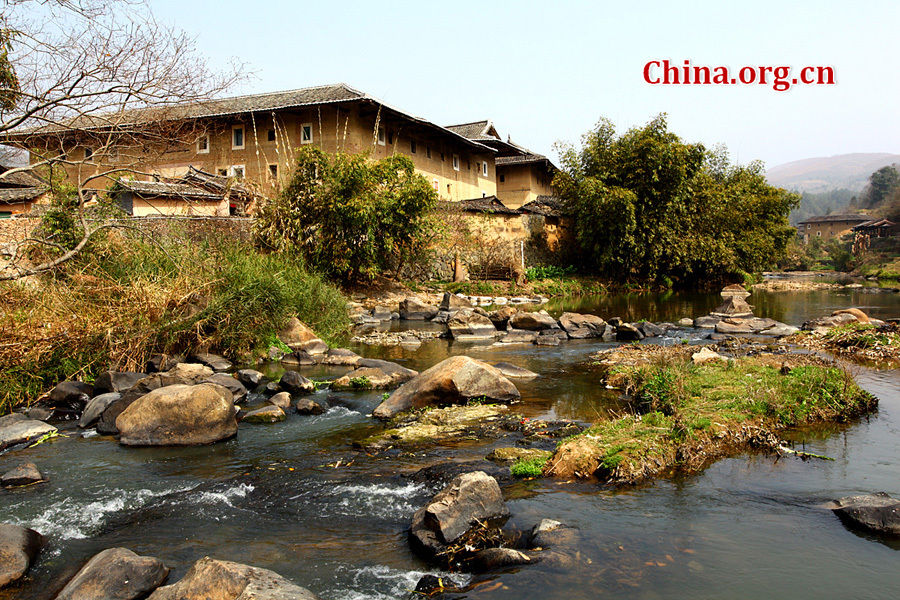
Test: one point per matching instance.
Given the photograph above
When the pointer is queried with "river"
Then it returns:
(294, 497)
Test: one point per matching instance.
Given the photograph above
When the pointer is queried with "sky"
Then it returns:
(547, 72)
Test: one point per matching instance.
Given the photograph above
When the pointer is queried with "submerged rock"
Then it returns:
(18, 548)
(876, 512)
(25, 474)
(179, 415)
(491, 559)
(510, 370)
(210, 579)
(452, 381)
(266, 414)
(16, 429)
(116, 574)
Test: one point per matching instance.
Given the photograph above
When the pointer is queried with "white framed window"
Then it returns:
(456, 162)
(223, 172)
(436, 184)
(381, 136)
(818, 234)
(412, 146)
(237, 171)
(306, 133)
(237, 137)
(203, 145)
(484, 168)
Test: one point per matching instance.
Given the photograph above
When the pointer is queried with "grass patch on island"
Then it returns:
(681, 416)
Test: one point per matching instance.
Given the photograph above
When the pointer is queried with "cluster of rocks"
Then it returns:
(414, 308)
(839, 317)
(120, 573)
(461, 527)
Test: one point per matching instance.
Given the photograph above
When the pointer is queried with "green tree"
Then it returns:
(881, 185)
(351, 217)
(650, 207)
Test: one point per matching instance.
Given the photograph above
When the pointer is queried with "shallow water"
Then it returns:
(294, 497)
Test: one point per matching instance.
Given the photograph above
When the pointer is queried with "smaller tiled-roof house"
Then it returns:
(829, 226)
(522, 175)
(156, 198)
(19, 190)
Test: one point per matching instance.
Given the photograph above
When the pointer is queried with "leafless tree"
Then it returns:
(98, 74)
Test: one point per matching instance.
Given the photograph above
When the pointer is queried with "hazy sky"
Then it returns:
(545, 71)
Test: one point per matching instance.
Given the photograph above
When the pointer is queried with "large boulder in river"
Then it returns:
(876, 512)
(116, 574)
(18, 547)
(179, 415)
(413, 309)
(16, 428)
(580, 326)
(532, 321)
(467, 324)
(210, 579)
(452, 381)
(180, 374)
(470, 498)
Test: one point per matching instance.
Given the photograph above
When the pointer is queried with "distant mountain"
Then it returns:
(847, 171)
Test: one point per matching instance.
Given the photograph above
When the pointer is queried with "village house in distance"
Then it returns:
(248, 143)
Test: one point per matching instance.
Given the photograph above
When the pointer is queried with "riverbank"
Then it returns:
(128, 299)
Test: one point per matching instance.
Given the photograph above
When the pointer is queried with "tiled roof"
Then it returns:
(18, 179)
(522, 159)
(15, 195)
(836, 219)
(479, 130)
(490, 204)
(255, 103)
(549, 206)
(159, 189)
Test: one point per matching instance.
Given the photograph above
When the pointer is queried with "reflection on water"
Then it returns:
(296, 498)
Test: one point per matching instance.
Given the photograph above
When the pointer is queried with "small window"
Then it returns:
(88, 154)
(273, 171)
(442, 157)
(306, 133)
(428, 152)
(502, 177)
(468, 164)
(270, 135)
(237, 138)
(456, 162)
(484, 168)
(223, 172)
(5, 214)
(818, 234)
(436, 185)
(448, 190)
(412, 146)
(808, 226)
(381, 136)
(391, 138)
(237, 171)
(203, 145)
